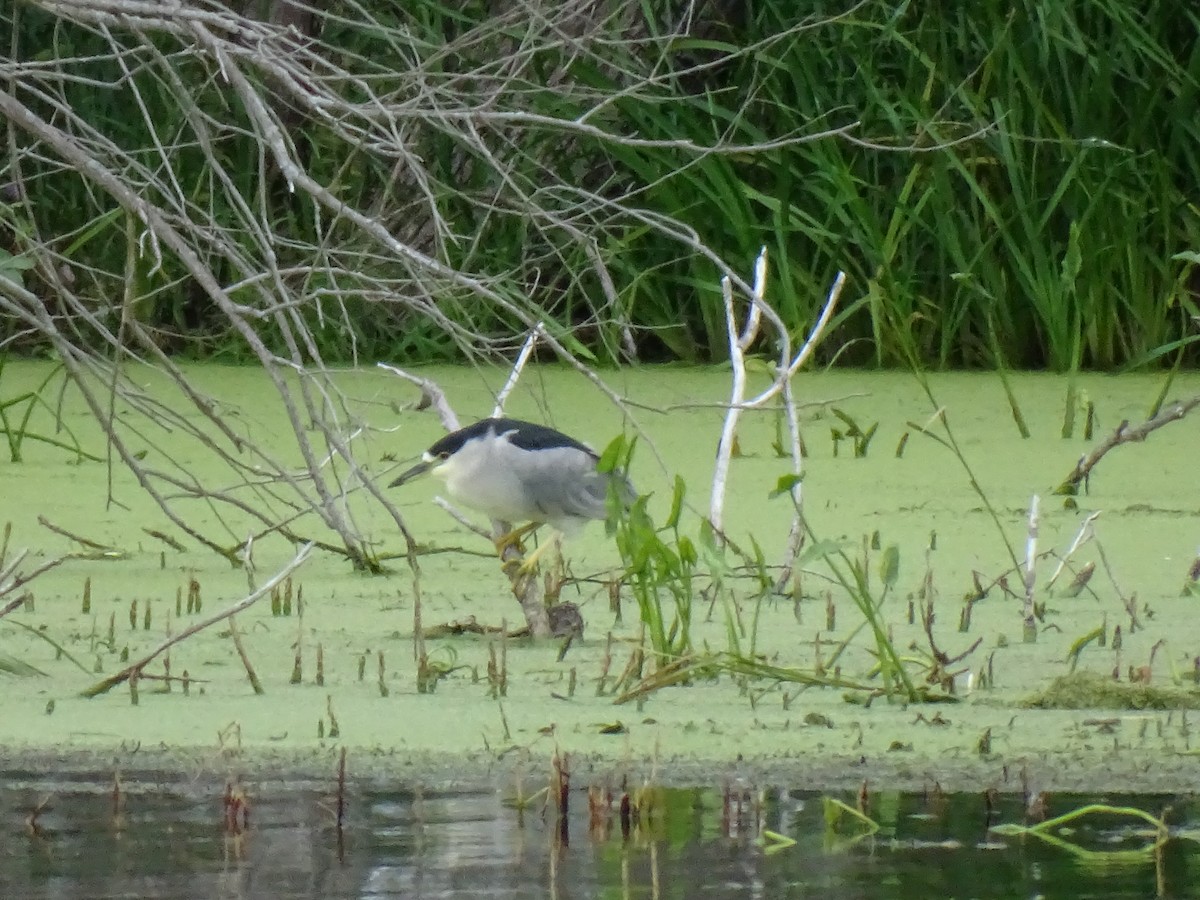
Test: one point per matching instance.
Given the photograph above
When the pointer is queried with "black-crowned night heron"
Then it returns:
(519, 472)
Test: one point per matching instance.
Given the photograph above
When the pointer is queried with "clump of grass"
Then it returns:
(661, 573)
(1046, 213)
(1086, 690)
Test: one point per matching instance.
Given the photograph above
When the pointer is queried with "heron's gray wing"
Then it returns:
(564, 484)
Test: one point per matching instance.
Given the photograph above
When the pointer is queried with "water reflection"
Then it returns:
(169, 839)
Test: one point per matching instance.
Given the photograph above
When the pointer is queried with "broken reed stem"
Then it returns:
(528, 590)
(383, 688)
(341, 790)
(167, 658)
(298, 664)
(503, 657)
(418, 632)
(241, 652)
(560, 788)
(111, 681)
(1029, 620)
(335, 730)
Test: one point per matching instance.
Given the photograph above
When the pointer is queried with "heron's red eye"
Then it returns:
(443, 456)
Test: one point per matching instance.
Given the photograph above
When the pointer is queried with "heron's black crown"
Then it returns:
(525, 435)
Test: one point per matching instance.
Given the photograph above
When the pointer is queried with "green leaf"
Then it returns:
(11, 267)
(614, 455)
(10, 665)
(889, 565)
(821, 549)
(851, 425)
(14, 263)
(784, 485)
(1079, 645)
(677, 494)
(1072, 263)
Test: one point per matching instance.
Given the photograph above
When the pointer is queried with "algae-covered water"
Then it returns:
(1147, 535)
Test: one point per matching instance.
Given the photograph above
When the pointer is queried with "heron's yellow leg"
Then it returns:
(513, 538)
(529, 563)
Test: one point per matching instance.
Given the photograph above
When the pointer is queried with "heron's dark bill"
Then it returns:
(415, 472)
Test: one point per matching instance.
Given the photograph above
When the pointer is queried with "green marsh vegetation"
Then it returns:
(442, 181)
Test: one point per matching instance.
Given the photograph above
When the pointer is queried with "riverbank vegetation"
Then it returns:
(1004, 184)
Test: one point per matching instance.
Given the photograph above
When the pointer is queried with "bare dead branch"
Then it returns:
(1124, 434)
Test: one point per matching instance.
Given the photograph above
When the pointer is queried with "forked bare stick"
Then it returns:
(740, 340)
(112, 681)
(1123, 434)
(796, 532)
(1085, 534)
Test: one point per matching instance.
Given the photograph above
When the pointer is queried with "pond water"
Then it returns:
(171, 841)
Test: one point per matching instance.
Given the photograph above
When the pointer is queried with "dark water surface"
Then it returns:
(173, 841)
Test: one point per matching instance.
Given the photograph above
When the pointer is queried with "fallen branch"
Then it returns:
(106, 684)
(1123, 435)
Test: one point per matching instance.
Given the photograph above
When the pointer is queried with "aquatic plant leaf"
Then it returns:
(821, 549)
(889, 565)
(784, 485)
(677, 495)
(10, 665)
